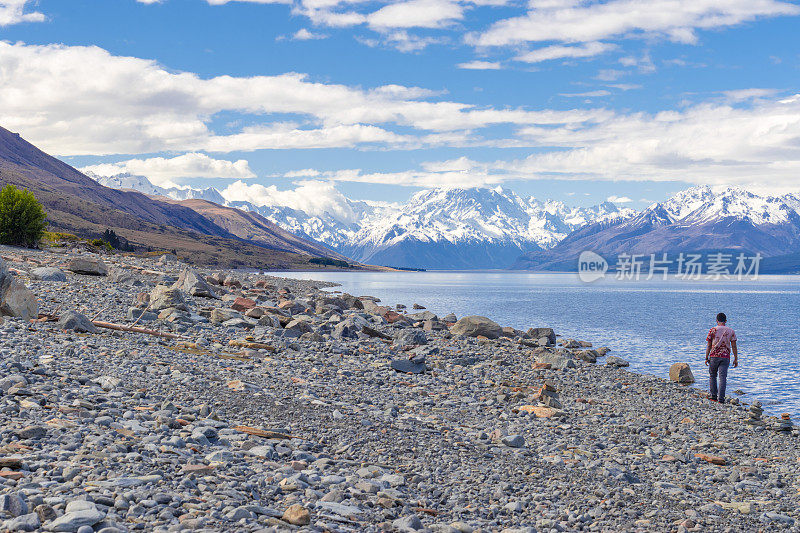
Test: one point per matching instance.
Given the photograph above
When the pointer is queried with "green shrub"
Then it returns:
(57, 236)
(21, 217)
(100, 243)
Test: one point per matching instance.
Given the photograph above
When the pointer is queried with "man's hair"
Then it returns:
(721, 317)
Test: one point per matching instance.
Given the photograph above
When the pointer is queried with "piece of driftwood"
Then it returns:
(262, 433)
(132, 329)
(252, 345)
(146, 309)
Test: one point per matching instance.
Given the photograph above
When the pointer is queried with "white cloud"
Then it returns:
(164, 171)
(304, 35)
(85, 101)
(561, 52)
(314, 197)
(416, 14)
(619, 199)
(625, 86)
(480, 65)
(570, 22)
(303, 173)
(564, 23)
(13, 12)
(756, 146)
(741, 95)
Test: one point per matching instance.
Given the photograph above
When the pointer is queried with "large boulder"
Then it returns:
(74, 321)
(681, 373)
(15, 298)
(349, 328)
(539, 333)
(556, 361)
(193, 284)
(300, 325)
(88, 267)
(617, 362)
(475, 325)
(220, 315)
(123, 277)
(411, 337)
(48, 274)
(164, 297)
(423, 316)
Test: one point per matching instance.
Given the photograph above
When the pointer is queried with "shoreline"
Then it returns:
(297, 417)
(770, 403)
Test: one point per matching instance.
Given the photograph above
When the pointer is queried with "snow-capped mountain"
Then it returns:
(467, 228)
(325, 227)
(143, 185)
(450, 228)
(698, 219)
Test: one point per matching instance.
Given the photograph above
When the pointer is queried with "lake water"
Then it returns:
(652, 323)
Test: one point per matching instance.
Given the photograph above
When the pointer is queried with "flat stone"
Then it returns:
(48, 274)
(88, 267)
(297, 515)
(72, 521)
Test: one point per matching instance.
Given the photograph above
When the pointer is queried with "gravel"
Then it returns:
(241, 424)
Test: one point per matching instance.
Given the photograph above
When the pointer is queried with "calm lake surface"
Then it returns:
(652, 323)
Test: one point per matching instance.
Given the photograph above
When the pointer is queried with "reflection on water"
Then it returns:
(651, 323)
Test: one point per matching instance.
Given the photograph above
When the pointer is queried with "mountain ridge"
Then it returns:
(76, 203)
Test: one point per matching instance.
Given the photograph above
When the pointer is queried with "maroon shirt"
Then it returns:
(721, 338)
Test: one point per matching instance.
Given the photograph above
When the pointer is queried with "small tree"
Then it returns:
(21, 217)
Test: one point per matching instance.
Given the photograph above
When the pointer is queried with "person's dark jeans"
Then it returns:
(718, 366)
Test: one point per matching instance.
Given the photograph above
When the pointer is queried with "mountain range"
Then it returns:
(453, 228)
(489, 228)
(697, 220)
(76, 203)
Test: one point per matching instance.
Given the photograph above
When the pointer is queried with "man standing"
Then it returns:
(720, 341)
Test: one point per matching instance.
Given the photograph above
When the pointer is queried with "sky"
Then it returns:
(580, 101)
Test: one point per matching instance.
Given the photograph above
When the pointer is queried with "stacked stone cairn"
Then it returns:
(548, 395)
(785, 423)
(755, 415)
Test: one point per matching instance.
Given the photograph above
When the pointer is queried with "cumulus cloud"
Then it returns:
(756, 146)
(14, 12)
(75, 100)
(575, 27)
(304, 35)
(416, 14)
(619, 199)
(677, 20)
(163, 171)
(314, 197)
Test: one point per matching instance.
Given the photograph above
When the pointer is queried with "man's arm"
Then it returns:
(708, 350)
(735, 354)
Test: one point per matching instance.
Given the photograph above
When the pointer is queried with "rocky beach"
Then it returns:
(144, 394)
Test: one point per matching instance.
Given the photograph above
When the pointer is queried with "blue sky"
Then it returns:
(578, 101)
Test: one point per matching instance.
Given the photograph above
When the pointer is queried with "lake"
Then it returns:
(651, 323)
